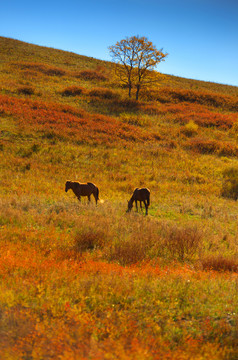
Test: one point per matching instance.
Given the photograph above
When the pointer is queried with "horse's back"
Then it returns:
(91, 185)
(85, 189)
(141, 193)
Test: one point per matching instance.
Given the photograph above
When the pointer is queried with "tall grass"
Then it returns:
(230, 183)
(183, 242)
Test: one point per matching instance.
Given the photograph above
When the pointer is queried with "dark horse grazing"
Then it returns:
(80, 189)
(140, 195)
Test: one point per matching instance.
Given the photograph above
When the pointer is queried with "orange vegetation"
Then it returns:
(67, 121)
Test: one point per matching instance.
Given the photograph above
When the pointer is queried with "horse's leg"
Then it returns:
(140, 205)
(136, 205)
(89, 199)
(146, 207)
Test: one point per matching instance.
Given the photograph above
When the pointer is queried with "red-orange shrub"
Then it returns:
(68, 120)
(208, 119)
(151, 109)
(176, 95)
(42, 68)
(89, 239)
(26, 90)
(103, 93)
(206, 146)
(90, 75)
(219, 263)
(186, 112)
(72, 91)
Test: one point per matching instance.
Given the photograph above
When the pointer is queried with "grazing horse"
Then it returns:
(80, 189)
(140, 195)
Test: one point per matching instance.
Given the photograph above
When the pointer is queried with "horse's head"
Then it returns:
(67, 185)
(130, 205)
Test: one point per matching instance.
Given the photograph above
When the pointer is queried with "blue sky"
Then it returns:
(201, 36)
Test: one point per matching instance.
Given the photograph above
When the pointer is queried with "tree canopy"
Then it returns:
(136, 58)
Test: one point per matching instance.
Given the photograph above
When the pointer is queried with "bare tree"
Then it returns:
(136, 58)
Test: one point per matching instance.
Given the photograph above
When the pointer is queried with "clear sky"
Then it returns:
(201, 36)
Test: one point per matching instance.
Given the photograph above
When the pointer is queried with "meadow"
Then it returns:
(84, 282)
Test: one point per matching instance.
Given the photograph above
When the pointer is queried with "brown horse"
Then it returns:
(80, 189)
(140, 195)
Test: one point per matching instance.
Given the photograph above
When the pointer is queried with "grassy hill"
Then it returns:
(79, 281)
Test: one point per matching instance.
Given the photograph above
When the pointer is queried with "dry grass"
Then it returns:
(230, 183)
(138, 242)
(183, 242)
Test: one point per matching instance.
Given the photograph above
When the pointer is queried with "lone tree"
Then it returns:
(137, 57)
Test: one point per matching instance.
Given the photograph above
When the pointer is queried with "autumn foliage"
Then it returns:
(91, 75)
(67, 121)
(207, 98)
(39, 67)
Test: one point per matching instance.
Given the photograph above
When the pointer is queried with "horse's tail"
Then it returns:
(97, 193)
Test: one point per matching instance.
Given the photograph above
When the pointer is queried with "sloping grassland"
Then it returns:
(85, 282)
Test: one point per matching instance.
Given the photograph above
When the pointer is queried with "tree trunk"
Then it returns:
(137, 91)
(129, 91)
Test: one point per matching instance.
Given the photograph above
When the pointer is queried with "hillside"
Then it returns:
(79, 281)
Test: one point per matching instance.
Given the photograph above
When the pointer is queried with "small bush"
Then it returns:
(141, 243)
(215, 120)
(54, 71)
(72, 91)
(42, 68)
(151, 109)
(26, 90)
(131, 250)
(35, 148)
(203, 146)
(90, 75)
(230, 183)
(207, 146)
(190, 129)
(89, 239)
(219, 263)
(103, 93)
(120, 105)
(206, 118)
(127, 252)
(182, 242)
(227, 149)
